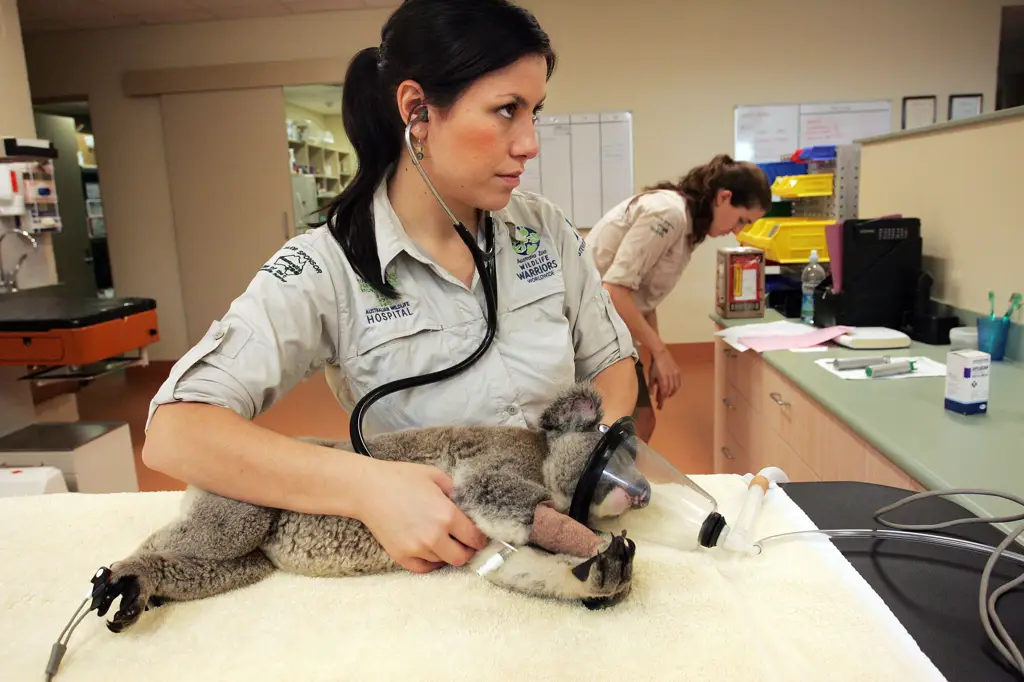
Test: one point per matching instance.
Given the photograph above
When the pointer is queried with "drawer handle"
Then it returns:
(728, 404)
(778, 399)
(725, 451)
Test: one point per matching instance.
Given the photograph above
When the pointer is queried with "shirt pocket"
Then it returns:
(537, 341)
(398, 350)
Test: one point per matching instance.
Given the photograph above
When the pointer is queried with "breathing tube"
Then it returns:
(997, 634)
(484, 265)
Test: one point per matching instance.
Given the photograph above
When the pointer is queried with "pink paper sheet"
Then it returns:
(761, 344)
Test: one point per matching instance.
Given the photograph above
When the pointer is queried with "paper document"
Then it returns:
(926, 367)
(806, 339)
(732, 335)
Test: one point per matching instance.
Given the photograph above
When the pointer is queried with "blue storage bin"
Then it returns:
(776, 169)
(820, 153)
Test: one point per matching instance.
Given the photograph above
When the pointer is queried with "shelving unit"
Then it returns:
(816, 187)
(329, 165)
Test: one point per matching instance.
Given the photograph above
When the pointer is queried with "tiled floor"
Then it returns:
(684, 431)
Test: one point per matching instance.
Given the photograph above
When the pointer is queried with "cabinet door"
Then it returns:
(227, 162)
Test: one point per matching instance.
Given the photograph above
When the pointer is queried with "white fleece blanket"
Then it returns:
(797, 612)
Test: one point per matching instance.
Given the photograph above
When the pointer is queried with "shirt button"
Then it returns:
(511, 409)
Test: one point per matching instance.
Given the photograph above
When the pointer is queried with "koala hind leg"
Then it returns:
(214, 548)
(151, 579)
(602, 580)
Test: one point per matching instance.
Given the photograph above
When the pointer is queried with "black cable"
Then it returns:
(489, 281)
(990, 620)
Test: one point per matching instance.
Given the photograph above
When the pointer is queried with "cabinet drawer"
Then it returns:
(881, 470)
(740, 420)
(743, 371)
(774, 451)
(731, 458)
(831, 451)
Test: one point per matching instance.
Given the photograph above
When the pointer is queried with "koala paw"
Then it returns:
(130, 581)
(608, 575)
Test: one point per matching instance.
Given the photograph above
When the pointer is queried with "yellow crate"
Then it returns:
(801, 186)
(787, 240)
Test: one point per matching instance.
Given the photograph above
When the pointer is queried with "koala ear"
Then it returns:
(575, 409)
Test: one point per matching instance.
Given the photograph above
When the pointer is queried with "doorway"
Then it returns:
(1010, 79)
(80, 248)
(320, 155)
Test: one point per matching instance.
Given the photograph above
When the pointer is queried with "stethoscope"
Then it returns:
(484, 261)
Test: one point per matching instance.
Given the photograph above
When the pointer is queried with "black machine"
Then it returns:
(883, 283)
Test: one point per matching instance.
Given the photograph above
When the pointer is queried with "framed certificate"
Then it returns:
(964, 106)
(919, 111)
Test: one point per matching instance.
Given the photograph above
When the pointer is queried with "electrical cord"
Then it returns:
(990, 620)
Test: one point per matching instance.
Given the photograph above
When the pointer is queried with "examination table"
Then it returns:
(799, 611)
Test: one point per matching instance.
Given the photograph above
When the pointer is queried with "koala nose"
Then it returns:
(640, 492)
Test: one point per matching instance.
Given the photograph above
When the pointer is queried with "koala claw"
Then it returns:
(128, 583)
(132, 605)
(608, 575)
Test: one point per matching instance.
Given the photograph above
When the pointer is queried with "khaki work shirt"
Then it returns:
(646, 248)
(306, 309)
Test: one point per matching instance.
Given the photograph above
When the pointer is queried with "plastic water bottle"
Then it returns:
(812, 276)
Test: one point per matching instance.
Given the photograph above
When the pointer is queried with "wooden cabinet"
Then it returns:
(762, 419)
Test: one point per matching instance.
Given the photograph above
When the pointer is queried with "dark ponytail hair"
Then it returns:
(747, 182)
(444, 45)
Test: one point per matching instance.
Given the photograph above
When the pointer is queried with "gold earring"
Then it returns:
(419, 150)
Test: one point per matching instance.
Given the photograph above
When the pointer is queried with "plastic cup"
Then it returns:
(992, 336)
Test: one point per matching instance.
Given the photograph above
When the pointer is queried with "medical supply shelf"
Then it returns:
(803, 186)
(821, 190)
(904, 421)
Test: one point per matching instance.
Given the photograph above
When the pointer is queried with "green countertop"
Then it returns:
(906, 421)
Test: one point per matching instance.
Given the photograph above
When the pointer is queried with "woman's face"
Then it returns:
(475, 151)
(729, 219)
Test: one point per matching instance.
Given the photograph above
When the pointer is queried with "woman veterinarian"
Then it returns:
(642, 246)
(387, 290)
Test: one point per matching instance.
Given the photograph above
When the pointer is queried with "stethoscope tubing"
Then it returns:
(485, 265)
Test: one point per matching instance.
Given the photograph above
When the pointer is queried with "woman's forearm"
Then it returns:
(639, 327)
(617, 386)
(217, 450)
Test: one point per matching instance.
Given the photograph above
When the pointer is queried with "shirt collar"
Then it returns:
(392, 239)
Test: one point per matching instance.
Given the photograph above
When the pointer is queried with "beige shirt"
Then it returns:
(645, 249)
(307, 309)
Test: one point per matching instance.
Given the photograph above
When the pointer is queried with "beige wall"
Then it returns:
(680, 67)
(964, 184)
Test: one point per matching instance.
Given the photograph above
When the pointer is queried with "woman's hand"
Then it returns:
(408, 510)
(665, 377)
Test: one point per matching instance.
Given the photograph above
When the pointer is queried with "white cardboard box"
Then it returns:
(967, 373)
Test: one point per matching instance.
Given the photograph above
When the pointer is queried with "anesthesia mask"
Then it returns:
(627, 485)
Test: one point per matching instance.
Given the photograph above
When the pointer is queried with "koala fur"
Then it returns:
(500, 475)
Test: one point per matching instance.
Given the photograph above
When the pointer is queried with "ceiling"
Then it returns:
(323, 99)
(58, 15)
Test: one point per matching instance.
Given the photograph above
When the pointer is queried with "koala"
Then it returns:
(503, 477)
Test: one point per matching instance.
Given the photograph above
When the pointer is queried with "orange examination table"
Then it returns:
(56, 332)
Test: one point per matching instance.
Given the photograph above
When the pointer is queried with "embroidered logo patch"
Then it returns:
(387, 309)
(291, 264)
(534, 261)
(525, 240)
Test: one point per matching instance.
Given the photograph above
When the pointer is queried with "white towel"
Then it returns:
(797, 612)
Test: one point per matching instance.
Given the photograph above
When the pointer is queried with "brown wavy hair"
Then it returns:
(747, 182)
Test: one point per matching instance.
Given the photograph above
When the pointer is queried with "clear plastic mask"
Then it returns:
(630, 487)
